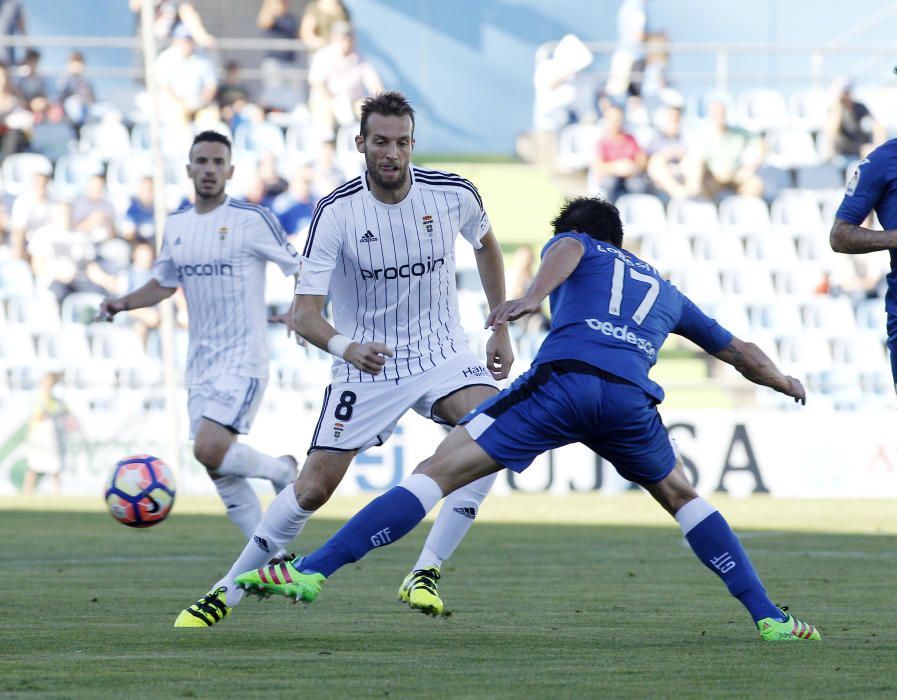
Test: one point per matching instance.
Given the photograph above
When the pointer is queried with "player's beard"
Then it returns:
(378, 179)
(213, 195)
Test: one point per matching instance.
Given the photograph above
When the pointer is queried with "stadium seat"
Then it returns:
(732, 315)
(16, 279)
(692, 216)
(576, 147)
(741, 214)
(121, 349)
(807, 109)
(751, 282)
(822, 176)
(796, 212)
(72, 172)
(18, 359)
(700, 282)
(641, 214)
(720, 248)
(667, 251)
(772, 247)
(863, 349)
(871, 316)
(833, 316)
(791, 148)
(808, 353)
(778, 319)
(19, 168)
(799, 280)
(815, 247)
(38, 313)
(761, 109)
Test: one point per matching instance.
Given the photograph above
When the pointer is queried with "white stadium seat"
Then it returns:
(743, 214)
(641, 214)
(19, 168)
(576, 147)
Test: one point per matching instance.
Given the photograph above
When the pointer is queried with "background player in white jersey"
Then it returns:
(217, 251)
(382, 246)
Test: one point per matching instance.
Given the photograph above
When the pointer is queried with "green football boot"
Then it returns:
(206, 611)
(419, 591)
(281, 579)
(791, 630)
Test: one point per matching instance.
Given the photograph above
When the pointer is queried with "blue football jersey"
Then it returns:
(874, 186)
(615, 311)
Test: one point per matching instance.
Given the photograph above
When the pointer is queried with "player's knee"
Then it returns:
(311, 495)
(209, 453)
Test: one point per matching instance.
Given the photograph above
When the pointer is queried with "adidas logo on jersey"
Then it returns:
(466, 511)
(368, 237)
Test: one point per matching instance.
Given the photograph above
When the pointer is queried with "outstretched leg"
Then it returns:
(714, 543)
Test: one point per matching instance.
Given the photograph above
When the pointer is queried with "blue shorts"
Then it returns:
(566, 401)
(892, 345)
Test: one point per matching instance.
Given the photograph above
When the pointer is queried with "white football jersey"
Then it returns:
(218, 259)
(390, 268)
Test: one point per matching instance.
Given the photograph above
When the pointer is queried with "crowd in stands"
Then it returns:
(731, 196)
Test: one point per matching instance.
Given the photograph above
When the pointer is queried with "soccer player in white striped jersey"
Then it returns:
(217, 251)
(383, 247)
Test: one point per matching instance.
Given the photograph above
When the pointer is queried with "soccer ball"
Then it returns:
(140, 491)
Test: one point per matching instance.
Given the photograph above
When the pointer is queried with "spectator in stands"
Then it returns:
(277, 22)
(139, 224)
(169, 15)
(232, 93)
(52, 134)
(44, 447)
(657, 64)
(93, 212)
(274, 183)
(31, 210)
(727, 159)
(32, 86)
(139, 273)
(187, 81)
(667, 154)
(529, 330)
(558, 90)
(628, 61)
(316, 27)
(12, 21)
(338, 79)
(619, 163)
(14, 118)
(76, 93)
(294, 207)
(255, 191)
(850, 131)
(326, 174)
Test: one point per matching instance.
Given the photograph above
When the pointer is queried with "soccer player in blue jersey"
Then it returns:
(611, 312)
(873, 187)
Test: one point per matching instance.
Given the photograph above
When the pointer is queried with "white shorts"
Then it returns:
(359, 415)
(229, 400)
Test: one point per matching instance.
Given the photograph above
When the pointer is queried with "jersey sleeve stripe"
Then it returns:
(347, 190)
(276, 230)
(460, 182)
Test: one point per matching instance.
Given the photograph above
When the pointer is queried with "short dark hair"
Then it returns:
(591, 215)
(388, 104)
(213, 137)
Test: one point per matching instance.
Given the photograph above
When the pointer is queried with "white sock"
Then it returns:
(243, 460)
(282, 522)
(454, 520)
(243, 507)
(693, 513)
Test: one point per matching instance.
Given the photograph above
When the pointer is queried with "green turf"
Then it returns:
(609, 604)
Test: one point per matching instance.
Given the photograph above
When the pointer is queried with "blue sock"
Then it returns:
(382, 521)
(714, 543)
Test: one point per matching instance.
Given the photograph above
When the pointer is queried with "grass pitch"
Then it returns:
(581, 596)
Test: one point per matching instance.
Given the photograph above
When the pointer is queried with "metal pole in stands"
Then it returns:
(166, 326)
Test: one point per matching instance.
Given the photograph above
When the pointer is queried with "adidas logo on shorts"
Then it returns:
(466, 511)
(368, 237)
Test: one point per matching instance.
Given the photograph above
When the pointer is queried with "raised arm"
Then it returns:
(853, 238)
(557, 265)
(756, 366)
(309, 322)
